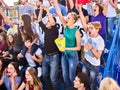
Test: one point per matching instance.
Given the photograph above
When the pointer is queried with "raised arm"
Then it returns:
(40, 14)
(59, 13)
(105, 7)
(50, 17)
(10, 8)
(71, 3)
(114, 3)
(82, 17)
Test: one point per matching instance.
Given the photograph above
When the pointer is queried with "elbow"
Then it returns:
(98, 57)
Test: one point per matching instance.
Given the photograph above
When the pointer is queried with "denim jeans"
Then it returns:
(110, 25)
(92, 72)
(50, 68)
(69, 66)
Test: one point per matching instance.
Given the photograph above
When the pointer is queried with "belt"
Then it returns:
(50, 54)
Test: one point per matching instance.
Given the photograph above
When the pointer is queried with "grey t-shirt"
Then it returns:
(25, 9)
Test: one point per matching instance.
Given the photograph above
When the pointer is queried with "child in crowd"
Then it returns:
(31, 81)
(73, 44)
(13, 78)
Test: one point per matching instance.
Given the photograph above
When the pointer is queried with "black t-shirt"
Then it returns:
(37, 13)
(49, 37)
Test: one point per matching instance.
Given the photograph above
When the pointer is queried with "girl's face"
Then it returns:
(27, 43)
(10, 38)
(28, 76)
(95, 9)
(21, 22)
(92, 31)
(69, 20)
(77, 83)
(11, 69)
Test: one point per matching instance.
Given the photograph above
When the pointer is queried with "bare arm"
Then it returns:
(113, 3)
(10, 8)
(82, 18)
(97, 53)
(59, 13)
(105, 8)
(78, 42)
(22, 86)
(38, 58)
(71, 3)
(52, 21)
(40, 14)
(1, 82)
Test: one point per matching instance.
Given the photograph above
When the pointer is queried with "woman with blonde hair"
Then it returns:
(108, 84)
(72, 45)
(31, 81)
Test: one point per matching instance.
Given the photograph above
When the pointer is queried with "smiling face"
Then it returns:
(28, 77)
(70, 20)
(77, 83)
(10, 38)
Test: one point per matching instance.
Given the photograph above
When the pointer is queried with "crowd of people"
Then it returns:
(30, 58)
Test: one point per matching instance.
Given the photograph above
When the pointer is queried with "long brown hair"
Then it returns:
(36, 82)
(4, 36)
(10, 44)
(27, 28)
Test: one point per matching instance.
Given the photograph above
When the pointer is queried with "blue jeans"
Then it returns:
(69, 66)
(110, 25)
(92, 72)
(50, 69)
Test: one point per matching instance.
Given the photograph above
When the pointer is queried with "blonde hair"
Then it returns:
(74, 15)
(96, 24)
(108, 84)
(36, 82)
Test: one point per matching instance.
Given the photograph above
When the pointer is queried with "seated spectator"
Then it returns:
(35, 59)
(81, 81)
(3, 42)
(3, 71)
(108, 84)
(13, 77)
(31, 81)
(8, 54)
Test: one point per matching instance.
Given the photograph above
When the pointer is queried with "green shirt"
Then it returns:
(70, 37)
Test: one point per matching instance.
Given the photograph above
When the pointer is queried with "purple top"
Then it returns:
(102, 19)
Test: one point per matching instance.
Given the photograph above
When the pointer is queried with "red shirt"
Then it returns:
(31, 87)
